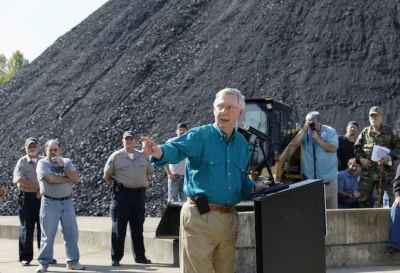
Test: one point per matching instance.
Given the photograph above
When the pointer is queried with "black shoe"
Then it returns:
(25, 263)
(391, 250)
(54, 261)
(115, 263)
(143, 260)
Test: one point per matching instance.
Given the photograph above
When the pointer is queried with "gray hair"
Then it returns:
(51, 141)
(314, 116)
(232, 91)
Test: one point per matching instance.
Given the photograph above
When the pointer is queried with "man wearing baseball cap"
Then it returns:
(176, 172)
(382, 135)
(29, 200)
(129, 170)
(346, 145)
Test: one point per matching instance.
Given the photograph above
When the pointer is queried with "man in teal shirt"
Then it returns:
(217, 164)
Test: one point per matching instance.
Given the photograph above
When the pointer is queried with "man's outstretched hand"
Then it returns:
(150, 148)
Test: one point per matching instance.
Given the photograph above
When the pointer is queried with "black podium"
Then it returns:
(290, 229)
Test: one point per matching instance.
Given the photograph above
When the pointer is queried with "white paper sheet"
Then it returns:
(378, 152)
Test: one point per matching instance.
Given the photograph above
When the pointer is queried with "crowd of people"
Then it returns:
(356, 169)
(214, 158)
(207, 169)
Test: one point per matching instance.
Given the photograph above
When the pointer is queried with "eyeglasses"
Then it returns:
(228, 108)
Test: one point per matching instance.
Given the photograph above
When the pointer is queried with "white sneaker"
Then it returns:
(75, 266)
(41, 268)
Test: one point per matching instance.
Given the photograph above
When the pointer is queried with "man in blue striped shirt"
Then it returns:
(217, 165)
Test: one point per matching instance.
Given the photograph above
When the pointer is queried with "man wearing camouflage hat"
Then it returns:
(29, 200)
(382, 135)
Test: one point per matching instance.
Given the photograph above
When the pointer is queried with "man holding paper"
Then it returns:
(374, 146)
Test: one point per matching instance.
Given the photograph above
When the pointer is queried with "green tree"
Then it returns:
(3, 68)
(9, 68)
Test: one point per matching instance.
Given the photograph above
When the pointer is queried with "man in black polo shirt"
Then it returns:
(345, 150)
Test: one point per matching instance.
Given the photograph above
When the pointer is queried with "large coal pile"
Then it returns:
(149, 64)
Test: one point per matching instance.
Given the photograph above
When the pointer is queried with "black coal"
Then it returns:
(146, 65)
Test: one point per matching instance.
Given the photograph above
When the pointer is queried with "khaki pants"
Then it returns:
(331, 194)
(207, 242)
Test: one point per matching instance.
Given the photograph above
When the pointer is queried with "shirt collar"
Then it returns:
(349, 175)
(222, 134)
(383, 130)
(30, 160)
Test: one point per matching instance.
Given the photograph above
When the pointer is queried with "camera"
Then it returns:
(312, 125)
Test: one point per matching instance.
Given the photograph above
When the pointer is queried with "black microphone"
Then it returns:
(256, 132)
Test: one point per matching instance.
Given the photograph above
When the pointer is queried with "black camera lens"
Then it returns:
(312, 126)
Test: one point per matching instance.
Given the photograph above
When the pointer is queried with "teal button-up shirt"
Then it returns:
(215, 166)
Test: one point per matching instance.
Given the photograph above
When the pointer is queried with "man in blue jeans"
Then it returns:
(56, 175)
(393, 245)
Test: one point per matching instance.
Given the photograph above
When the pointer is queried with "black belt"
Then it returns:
(138, 190)
(28, 193)
(58, 199)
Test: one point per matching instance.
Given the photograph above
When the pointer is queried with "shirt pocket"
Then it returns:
(241, 165)
(211, 160)
(31, 175)
(367, 148)
(143, 164)
(211, 166)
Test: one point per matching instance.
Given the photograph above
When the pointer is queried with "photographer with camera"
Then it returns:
(320, 144)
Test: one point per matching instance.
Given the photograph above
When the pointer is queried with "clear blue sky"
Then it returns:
(31, 26)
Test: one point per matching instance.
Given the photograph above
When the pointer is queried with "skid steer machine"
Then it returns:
(271, 118)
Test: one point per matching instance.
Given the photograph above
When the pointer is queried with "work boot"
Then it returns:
(142, 260)
(391, 250)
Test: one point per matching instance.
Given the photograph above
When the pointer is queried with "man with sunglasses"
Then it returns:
(56, 176)
(29, 200)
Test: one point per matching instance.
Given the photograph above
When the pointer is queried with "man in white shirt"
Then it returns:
(176, 172)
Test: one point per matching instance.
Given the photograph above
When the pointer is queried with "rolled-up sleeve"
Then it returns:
(109, 167)
(19, 172)
(188, 145)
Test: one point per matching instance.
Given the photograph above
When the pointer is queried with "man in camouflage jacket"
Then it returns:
(382, 135)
